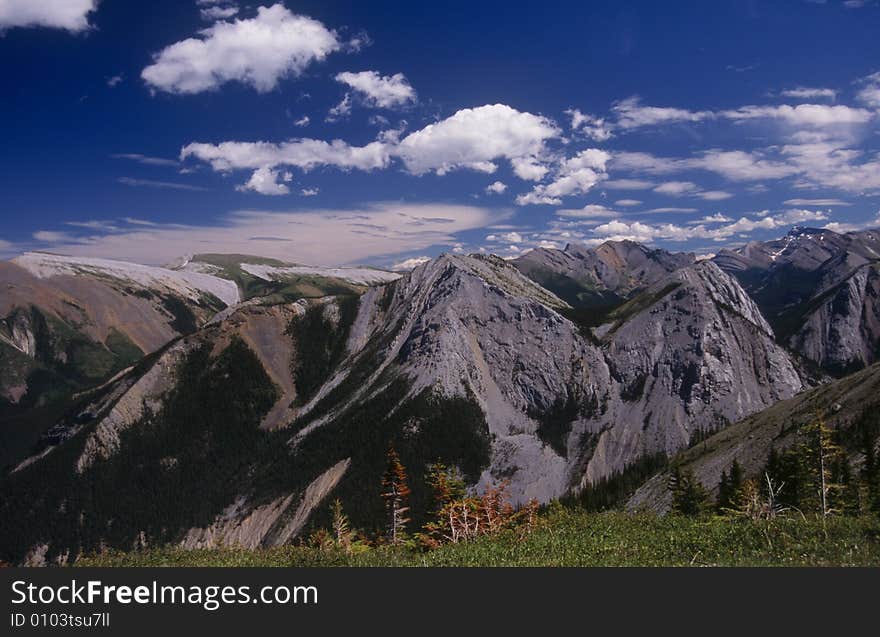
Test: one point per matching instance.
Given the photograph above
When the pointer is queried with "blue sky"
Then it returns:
(381, 132)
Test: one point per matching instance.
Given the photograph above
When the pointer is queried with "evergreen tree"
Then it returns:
(870, 473)
(395, 493)
(730, 487)
(689, 497)
(724, 499)
(818, 454)
(445, 485)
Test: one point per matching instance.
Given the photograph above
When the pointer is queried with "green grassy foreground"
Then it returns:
(575, 538)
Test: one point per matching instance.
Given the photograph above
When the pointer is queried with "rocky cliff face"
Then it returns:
(841, 328)
(599, 276)
(818, 289)
(689, 355)
(564, 405)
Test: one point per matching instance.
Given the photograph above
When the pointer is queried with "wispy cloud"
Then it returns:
(150, 183)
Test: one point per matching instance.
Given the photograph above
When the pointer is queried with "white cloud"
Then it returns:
(268, 182)
(410, 264)
(302, 122)
(835, 226)
(470, 139)
(114, 80)
(305, 154)
(648, 233)
(627, 203)
(49, 236)
(806, 93)
(71, 15)
(146, 159)
(816, 202)
(309, 192)
(819, 115)
(687, 188)
(574, 176)
(869, 94)
(714, 195)
(152, 183)
(319, 237)
(632, 114)
(218, 13)
(474, 138)
(592, 127)
(258, 52)
(677, 188)
(627, 184)
(496, 188)
(590, 211)
(381, 91)
(735, 165)
(341, 110)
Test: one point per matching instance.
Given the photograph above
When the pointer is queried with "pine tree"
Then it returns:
(870, 473)
(819, 453)
(341, 527)
(395, 493)
(689, 497)
(445, 486)
(730, 487)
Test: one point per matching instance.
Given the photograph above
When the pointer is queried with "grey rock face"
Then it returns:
(698, 357)
(843, 331)
(817, 288)
(691, 352)
(612, 270)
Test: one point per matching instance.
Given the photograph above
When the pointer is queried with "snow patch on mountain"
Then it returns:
(357, 276)
(185, 283)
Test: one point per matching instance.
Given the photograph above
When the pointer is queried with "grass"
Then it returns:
(569, 537)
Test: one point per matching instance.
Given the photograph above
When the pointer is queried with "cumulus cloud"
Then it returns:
(380, 91)
(305, 154)
(869, 94)
(268, 182)
(341, 110)
(70, 15)
(496, 188)
(474, 138)
(590, 126)
(573, 176)
(627, 203)
(302, 122)
(258, 52)
(371, 234)
(211, 10)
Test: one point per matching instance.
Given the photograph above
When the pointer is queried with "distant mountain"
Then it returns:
(241, 431)
(67, 324)
(599, 277)
(820, 291)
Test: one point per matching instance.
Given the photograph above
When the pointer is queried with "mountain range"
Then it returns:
(225, 399)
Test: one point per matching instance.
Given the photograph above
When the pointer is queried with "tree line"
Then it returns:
(815, 475)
